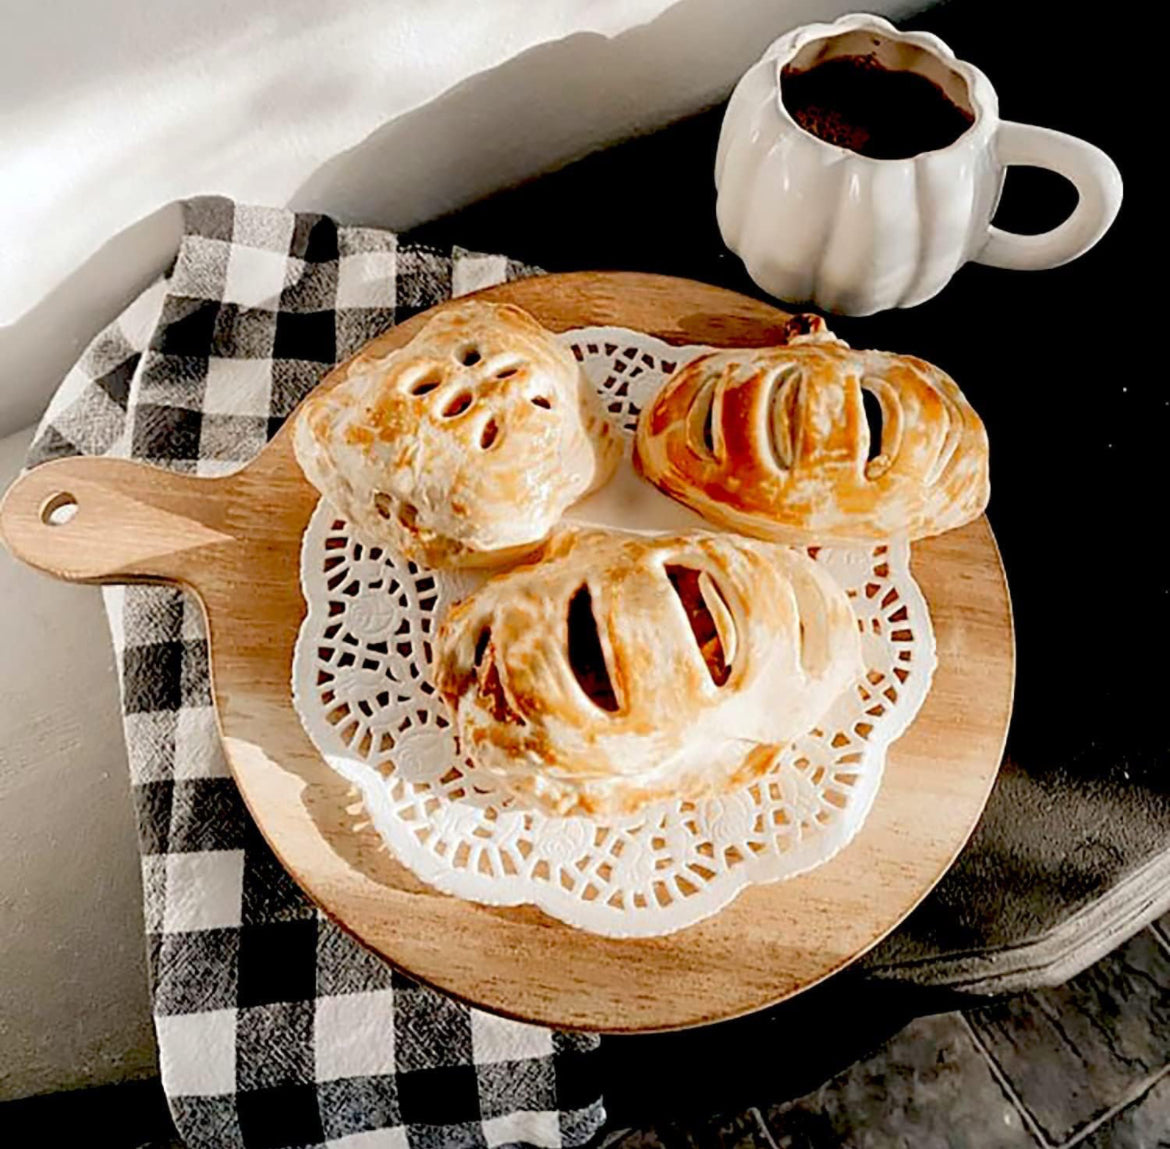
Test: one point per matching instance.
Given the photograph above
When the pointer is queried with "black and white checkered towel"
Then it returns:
(275, 1029)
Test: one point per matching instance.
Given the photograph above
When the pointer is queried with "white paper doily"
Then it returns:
(361, 687)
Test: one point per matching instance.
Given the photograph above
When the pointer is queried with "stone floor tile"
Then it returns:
(1162, 925)
(637, 1139)
(1074, 1052)
(1143, 1125)
(929, 1087)
(740, 1131)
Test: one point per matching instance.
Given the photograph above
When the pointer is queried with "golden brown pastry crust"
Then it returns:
(463, 447)
(678, 711)
(774, 442)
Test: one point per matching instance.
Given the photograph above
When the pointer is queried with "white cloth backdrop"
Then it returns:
(125, 105)
(381, 112)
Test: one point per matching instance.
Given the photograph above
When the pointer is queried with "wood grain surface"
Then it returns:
(235, 542)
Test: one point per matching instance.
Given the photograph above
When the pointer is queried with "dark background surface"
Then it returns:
(1063, 367)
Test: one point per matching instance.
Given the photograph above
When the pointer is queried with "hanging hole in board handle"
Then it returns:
(58, 509)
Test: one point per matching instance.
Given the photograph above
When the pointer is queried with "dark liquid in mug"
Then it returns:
(854, 102)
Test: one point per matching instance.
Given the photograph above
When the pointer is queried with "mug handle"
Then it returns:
(1087, 168)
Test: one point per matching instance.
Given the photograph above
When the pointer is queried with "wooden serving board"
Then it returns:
(235, 542)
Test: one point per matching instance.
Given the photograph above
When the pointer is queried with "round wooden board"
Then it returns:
(235, 542)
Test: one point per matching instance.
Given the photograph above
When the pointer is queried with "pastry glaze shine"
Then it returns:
(463, 447)
(776, 443)
(623, 668)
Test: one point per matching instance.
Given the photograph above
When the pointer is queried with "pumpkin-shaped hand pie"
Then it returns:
(464, 446)
(816, 442)
(622, 668)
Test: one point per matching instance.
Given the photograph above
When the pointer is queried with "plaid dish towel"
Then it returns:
(275, 1029)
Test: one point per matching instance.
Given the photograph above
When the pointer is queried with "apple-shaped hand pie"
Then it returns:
(814, 442)
(463, 447)
(620, 668)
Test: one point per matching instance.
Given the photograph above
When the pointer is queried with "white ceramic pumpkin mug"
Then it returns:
(815, 221)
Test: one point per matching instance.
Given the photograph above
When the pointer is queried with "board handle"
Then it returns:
(109, 520)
